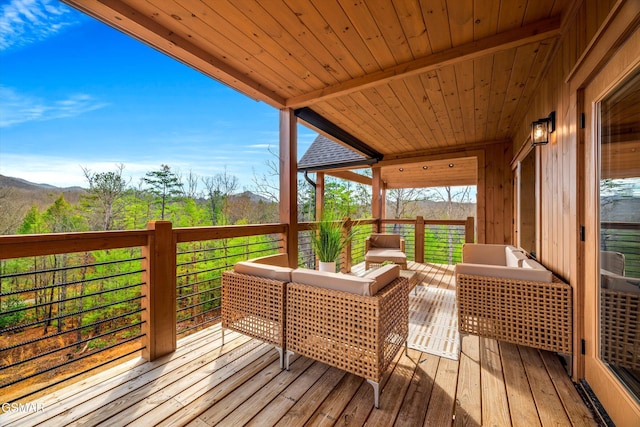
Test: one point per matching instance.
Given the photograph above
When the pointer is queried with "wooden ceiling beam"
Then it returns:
(350, 176)
(532, 33)
(130, 21)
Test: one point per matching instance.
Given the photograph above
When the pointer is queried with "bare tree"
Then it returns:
(218, 189)
(267, 184)
(106, 189)
(191, 186)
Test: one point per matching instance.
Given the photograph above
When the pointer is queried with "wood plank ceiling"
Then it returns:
(404, 77)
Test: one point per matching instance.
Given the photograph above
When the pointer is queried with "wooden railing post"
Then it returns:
(419, 239)
(469, 228)
(159, 290)
(345, 257)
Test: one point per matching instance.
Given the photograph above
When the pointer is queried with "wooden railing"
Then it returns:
(434, 241)
(105, 296)
(102, 297)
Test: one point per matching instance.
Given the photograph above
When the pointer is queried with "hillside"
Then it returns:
(18, 195)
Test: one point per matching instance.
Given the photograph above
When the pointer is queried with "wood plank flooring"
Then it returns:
(240, 383)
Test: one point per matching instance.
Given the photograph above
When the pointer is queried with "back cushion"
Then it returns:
(281, 259)
(263, 270)
(514, 256)
(382, 277)
(478, 253)
(385, 241)
(335, 281)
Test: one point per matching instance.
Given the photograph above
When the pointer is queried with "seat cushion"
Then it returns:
(382, 255)
(263, 270)
(514, 273)
(335, 281)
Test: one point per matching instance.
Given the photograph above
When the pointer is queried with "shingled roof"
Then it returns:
(327, 154)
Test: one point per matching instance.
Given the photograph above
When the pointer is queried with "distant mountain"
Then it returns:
(253, 197)
(23, 184)
(17, 196)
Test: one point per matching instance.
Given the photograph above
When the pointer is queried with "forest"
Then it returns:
(59, 309)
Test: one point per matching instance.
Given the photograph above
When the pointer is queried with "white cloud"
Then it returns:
(23, 22)
(18, 108)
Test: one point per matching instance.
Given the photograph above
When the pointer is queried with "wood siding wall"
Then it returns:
(559, 159)
(498, 220)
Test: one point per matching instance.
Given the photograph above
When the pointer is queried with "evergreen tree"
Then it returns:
(165, 185)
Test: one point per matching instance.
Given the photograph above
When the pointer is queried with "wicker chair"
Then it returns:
(381, 247)
(358, 334)
(253, 305)
(620, 320)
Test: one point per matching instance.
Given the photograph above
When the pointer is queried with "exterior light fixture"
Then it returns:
(425, 167)
(542, 128)
(450, 165)
(401, 169)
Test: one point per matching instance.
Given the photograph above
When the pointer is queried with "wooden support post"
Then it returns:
(345, 258)
(159, 290)
(376, 195)
(419, 239)
(288, 182)
(469, 230)
(319, 195)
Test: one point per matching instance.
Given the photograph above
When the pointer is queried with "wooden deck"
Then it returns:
(204, 384)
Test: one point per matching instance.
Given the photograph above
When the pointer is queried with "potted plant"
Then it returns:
(328, 241)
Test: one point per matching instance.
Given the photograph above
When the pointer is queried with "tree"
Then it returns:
(218, 189)
(106, 192)
(165, 185)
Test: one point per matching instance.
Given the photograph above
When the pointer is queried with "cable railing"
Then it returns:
(64, 314)
(72, 303)
(623, 237)
(432, 241)
(199, 275)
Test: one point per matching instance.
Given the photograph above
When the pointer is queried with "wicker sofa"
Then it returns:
(253, 299)
(352, 323)
(504, 295)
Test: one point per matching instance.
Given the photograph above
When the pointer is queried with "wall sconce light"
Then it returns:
(542, 128)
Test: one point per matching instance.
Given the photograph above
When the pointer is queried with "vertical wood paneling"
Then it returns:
(499, 194)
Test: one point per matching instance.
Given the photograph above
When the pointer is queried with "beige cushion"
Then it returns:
(528, 274)
(612, 262)
(529, 263)
(384, 241)
(618, 283)
(281, 259)
(514, 256)
(382, 255)
(478, 253)
(263, 270)
(335, 281)
(382, 277)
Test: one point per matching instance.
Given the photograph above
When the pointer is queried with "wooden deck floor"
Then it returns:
(204, 384)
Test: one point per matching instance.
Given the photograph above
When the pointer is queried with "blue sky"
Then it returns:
(76, 93)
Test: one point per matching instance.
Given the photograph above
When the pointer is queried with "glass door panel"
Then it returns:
(619, 232)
